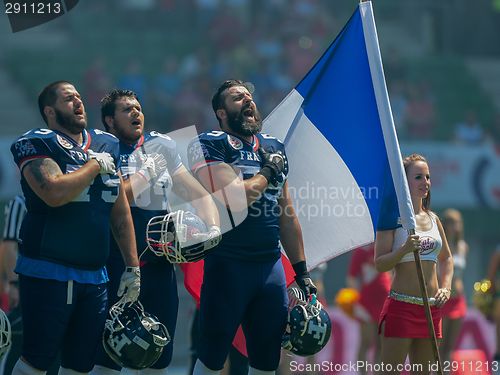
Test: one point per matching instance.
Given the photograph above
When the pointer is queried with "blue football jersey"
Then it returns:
(154, 200)
(257, 237)
(77, 233)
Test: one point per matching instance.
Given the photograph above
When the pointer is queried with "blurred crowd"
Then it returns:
(272, 44)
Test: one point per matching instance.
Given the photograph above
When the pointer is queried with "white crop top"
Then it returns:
(431, 242)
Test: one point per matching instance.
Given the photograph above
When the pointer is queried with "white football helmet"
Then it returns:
(181, 237)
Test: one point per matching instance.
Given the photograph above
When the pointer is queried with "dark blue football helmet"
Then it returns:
(309, 326)
(132, 337)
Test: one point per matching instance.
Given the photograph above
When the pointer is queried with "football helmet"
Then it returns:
(180, 236)
(5, 334)
(309, 326)
(132, 337)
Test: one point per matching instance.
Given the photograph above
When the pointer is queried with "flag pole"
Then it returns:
(392, 145)
(427, 308)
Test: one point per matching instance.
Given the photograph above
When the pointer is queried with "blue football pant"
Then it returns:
(66, 316)
(248, 293)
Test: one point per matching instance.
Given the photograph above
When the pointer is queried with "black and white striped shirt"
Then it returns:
(14, 215)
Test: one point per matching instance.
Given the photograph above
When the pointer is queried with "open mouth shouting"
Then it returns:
(248, 113)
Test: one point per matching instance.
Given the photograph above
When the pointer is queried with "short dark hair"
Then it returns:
(48, 96)
(108, 103)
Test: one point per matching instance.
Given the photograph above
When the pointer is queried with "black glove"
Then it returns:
(274, 166)
(303, 279)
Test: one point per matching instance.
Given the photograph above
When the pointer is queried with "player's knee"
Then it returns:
(103, 370)
(24, 368)
(68, 371)
(201, 369)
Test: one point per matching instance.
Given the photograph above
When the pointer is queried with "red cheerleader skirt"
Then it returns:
(407, 320)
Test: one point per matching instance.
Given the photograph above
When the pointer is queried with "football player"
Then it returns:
(244, 281)
(15, 210)
(151, 168)
(74, 196)
(14, 215)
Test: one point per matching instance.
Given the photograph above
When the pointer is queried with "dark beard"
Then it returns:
(69, 122)
(237, 123)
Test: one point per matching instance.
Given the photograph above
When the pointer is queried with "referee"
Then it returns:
(14, 215)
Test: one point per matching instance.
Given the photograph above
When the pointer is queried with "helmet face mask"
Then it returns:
(133, 338)
(5, 334)
(308, 329)
(171, 236)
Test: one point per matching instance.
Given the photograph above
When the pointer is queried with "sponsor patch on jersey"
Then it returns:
(198, 152)
(235, 143)
(24, 148)
(64, 142)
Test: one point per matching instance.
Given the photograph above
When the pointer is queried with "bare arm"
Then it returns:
(290, 229)
(55, 188)
(385, 258)
(123, 229)
(188, 188)
(238, 193)
(445, 260)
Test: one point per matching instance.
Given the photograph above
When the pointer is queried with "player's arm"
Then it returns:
(54, 187)
(232, 191)
(290, 229)
(293, 244)
(122, 227)
(386, 259)
(189, 189)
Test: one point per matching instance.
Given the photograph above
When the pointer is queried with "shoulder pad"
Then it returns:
(37, 133)
(154, 134)
(102, 133)
(270, 138)
(215, 135)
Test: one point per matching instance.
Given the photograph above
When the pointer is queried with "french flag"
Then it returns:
(346, 172)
